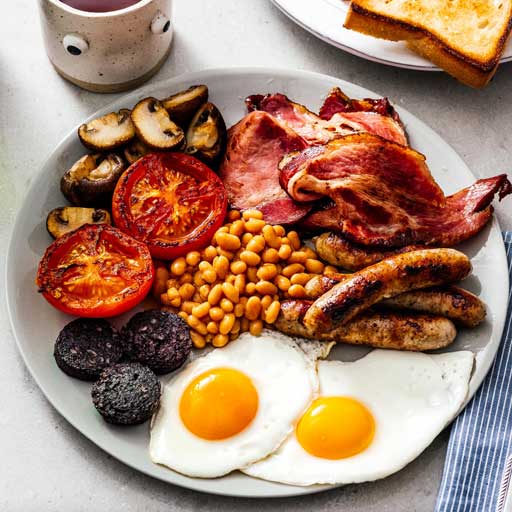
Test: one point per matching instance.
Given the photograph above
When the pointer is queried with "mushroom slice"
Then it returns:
(68, 218)
(135, 150)
(107, 132)
(206, 135)
(154, 126)
(92, 179)
(183, 105)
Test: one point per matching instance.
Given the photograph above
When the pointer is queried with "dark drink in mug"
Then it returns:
(100, 5)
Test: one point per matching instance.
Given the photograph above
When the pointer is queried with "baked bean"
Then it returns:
(252, 308)
(197, 325)
(246, 238)
(294, 239)
(221, 266)
(227, 241)
(179, 266)
(300, 278)
(298, 257)
(236, 327)
(188, 305)
(183, 315)
(198, 279)
(216, 314)
(270, 255)
(297, 291)
(266, 288)
(271, 238)
(219, 340)
(279, 230)
(212, 327)
(294, 268)
(255, 327)
(250, 288)
(240, 283)
(267, 272)
(227, 323)
(176, 302)
(254, 225)
(256, 244)
(272, 312)
(226, 305)
(193, 258)
(252, 274)
(285, 251)
(215, 294)
(210, 276)
(252, 214)
(314, 266)
(229, 255)
(244, 324)
(251, 258)
(282, 282)
(186, 278)
(237, 228)
(204, 291)
(197, 297)
(233, 215)
(231, 292)
(210, 252)
(265, 302)
(201, 310)
(329, 269)
(238, 267)
(310, 253)
(172, 293)
(239, 310)
(198, 340)
(186, 291)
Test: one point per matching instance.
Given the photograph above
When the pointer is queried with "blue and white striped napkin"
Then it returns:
(478, 463)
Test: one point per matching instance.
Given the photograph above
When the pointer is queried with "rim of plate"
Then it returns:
(299, 11)
(198, 484)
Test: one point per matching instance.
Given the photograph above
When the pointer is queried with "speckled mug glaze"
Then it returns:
(107, 51)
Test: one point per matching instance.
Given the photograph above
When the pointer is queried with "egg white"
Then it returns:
(285, 377)
(412, 397)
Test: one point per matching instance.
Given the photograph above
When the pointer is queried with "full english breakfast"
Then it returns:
(269, 243)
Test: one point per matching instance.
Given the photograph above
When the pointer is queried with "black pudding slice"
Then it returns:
(126, 394)
(158, 339)
(86, 346)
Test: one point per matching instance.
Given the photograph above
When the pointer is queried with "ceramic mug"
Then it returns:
(107, 51)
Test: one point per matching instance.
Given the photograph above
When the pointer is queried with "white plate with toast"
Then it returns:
(324, 19)
(36, 324)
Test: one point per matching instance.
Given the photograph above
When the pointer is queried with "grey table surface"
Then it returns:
(45, 463)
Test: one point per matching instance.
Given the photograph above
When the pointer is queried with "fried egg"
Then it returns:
(235, 405)
(371, 417)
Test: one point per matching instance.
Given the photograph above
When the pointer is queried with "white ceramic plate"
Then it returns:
(324, 19)
(36, 324)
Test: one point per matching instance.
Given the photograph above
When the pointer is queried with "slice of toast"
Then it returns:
(464, 37)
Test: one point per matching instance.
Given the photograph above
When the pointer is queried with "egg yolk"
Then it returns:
(335, 427)
(219, 404)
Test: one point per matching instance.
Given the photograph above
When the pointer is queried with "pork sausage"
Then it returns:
(398, 331)
(460, 306)
(338, 251)
(388, 278)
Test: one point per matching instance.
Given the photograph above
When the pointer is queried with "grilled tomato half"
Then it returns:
(170, 201)
(95, 271)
